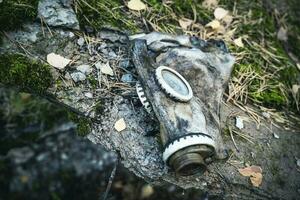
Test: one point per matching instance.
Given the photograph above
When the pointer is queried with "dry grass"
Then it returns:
(263, 76)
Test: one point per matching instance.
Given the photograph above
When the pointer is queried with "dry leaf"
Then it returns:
(255, 174)
(57, 61)
(185, 23)
(282, 34)
(239, 42)
(221, 30)
(298, 66)
(229, 34)
(210, 4)
(220, 13)
(256, 179)
(215, 24)
(105, 68)
(147, 191)
(136, 5)
(120, 125)
(227, 19)
(295, 89)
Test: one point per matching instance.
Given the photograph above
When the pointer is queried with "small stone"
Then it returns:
(88, 95)
(103, 46)
(120, 125)
(78, 76)
(112, 55)
(89, 29)
(104, 51)
(124, 63)
(66, 3)
(298, 162)
(64, 156)
(127, 78)
(86, 69)
(239, 122)
(81, 41)
(276, 136)
(71, 34)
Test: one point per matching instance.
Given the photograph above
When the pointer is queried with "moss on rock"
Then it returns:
(28, 75)
(83, 124)
(13, 13)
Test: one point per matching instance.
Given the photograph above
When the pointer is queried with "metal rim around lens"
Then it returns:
(187, 141)
(176, 90)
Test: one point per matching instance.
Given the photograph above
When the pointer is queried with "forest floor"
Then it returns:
(262, 35)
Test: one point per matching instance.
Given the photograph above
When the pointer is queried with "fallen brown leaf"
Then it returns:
(255, 174)
(256, 179)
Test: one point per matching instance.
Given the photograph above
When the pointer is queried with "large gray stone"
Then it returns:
(58, 13)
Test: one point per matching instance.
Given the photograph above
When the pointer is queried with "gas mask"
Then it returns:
(180, 86)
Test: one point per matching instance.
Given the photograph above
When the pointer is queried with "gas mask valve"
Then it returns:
(173, 84)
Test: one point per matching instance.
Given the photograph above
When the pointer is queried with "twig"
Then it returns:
(111, 178)
(234, 143)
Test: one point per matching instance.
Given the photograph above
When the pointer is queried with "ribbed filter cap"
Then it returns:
(142, 96)
(173, 84)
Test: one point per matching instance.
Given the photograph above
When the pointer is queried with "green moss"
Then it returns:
(99, 107)
(28, 75)
(109, 13)
(83, 124)
(13, 13)
(289, 75)
(166, 17)
(273, 73)
(92, 80)
(270, 97)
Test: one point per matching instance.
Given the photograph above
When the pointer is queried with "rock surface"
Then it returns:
(58, 13)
